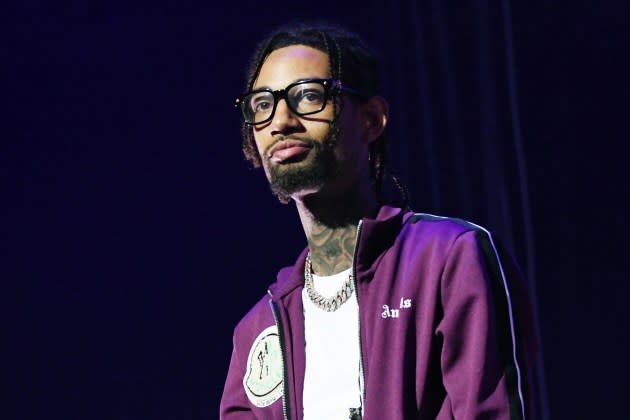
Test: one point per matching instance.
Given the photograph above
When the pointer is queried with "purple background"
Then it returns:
(136, 235)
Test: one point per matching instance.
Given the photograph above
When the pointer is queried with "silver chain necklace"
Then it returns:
(332, 303)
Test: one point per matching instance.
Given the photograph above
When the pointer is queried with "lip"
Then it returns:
(289, 149)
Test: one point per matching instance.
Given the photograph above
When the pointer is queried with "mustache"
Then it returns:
(330, 141)
(307, 140)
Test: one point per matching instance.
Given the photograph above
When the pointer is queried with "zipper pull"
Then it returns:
(355, 414)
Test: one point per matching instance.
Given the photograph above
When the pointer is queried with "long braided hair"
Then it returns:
(351, 62)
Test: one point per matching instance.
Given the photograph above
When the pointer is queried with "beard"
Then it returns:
(287, 179)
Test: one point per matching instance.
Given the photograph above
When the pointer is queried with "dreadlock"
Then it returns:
(351, 62)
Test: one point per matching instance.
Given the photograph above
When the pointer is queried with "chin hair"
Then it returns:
(289, 179)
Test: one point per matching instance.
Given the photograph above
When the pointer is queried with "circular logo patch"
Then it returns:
(263, 378)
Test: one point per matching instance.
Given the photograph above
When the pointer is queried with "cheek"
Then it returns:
(263, 161)
(320, 132)
(266, 169)
(259, 143)
(256, 136)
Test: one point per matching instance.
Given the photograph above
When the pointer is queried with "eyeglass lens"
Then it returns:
(302, 98)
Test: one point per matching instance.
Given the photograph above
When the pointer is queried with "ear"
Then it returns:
(375, 113)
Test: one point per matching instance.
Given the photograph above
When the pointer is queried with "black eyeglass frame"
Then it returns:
(332, 87)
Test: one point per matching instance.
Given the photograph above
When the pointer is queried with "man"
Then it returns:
(387, 314)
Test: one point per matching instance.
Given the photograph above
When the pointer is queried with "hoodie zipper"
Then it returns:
(285, 375)
(276, 317)
(356, 291)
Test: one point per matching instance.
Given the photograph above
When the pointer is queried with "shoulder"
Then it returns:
(442, 224)
(441, 232)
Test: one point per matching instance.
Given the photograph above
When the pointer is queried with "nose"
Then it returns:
(284, 120)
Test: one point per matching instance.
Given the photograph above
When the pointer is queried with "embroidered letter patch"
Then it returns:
(263, 379)
(395, 312)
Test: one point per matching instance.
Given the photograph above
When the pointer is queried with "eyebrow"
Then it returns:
(303, 79)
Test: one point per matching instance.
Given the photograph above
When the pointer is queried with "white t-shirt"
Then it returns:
(331, 380)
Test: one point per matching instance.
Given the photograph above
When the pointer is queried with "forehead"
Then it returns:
(289, 64)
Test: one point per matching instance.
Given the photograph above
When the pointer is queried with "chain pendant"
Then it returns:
(327, 304)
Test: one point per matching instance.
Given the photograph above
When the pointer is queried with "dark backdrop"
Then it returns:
(136, 236)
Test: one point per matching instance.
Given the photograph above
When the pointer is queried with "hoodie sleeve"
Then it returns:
(480, 365)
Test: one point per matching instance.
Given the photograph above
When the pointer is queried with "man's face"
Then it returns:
(306, 154)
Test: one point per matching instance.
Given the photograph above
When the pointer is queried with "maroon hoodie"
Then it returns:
(444, 321)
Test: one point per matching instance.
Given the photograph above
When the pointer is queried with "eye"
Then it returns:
(261, 102)
(311, 96)
(261, 106)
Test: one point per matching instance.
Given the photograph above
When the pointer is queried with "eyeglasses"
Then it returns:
(305, 97)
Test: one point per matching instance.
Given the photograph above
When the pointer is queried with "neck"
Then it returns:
(330, 224)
